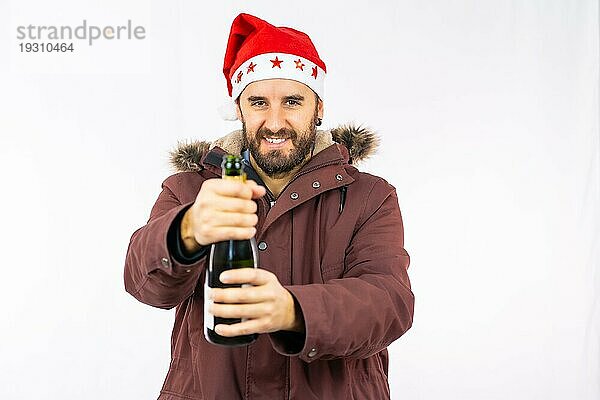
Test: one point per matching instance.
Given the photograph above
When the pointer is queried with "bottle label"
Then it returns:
(209, 319)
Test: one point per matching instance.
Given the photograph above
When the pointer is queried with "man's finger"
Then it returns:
(237, 310)
(243, 295)
(253, 276)
(235, 204)
(258, 191)
(243, 328)
(243, 190)
(233, 219)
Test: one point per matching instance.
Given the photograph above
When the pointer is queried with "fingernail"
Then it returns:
(224, 277)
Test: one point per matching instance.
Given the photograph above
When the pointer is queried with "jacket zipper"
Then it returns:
(288, 365)
(270, 197)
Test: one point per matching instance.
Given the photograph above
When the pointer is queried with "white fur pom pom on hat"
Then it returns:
(228, 110)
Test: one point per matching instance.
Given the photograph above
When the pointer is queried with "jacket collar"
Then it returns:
(327, 170)
(355, 143)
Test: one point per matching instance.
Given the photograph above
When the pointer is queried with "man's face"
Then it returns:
(278, 117)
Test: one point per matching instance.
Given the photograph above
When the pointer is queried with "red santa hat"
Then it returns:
(257, 50)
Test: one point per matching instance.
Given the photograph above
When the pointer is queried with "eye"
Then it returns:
(258, 103)
(292, 103)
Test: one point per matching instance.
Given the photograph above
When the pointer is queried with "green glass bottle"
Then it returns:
(224, 256)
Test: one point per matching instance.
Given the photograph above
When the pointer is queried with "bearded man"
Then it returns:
(331, 292)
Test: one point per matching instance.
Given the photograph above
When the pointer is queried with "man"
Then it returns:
(332, 291)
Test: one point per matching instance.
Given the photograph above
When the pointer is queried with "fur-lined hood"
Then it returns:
(361, 144)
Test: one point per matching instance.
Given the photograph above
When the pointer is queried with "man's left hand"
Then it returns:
(266, 305)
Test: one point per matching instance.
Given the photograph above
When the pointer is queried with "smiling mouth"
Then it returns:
(275, 140)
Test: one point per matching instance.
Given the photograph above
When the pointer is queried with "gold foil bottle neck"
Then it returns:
(240, 178)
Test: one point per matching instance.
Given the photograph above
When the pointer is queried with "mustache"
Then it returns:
(282, 133)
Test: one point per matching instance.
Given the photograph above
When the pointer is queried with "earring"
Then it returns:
(318, 122)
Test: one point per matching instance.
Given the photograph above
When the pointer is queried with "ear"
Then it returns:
(238, 110)
(320, 108)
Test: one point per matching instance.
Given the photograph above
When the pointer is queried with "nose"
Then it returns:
(275, 119)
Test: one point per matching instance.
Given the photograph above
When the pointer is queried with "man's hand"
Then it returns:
(223, 210)
(267, 306)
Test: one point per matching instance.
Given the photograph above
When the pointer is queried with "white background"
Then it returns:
(488, 113)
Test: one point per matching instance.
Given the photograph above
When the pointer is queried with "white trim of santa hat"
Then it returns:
(257, 50)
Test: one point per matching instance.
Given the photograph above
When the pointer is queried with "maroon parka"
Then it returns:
(334, 238)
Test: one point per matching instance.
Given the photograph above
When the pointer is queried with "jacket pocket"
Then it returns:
(195, 313)
(370, 380)
(180, 380)
(195, 323)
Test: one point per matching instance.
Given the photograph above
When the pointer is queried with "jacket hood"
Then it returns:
(361, 143)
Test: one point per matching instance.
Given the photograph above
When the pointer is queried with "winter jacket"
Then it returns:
(333, 237)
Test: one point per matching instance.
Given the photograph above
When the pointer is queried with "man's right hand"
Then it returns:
(223, 210)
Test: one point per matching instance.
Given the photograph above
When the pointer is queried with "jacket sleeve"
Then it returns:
(156, 272)
(372, 305)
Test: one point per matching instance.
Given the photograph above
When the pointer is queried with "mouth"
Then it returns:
(275, 140)
(274, 143)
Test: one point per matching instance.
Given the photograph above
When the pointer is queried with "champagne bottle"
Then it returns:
(224, 256)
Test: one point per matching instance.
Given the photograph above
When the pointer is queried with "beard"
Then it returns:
(276, 163)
